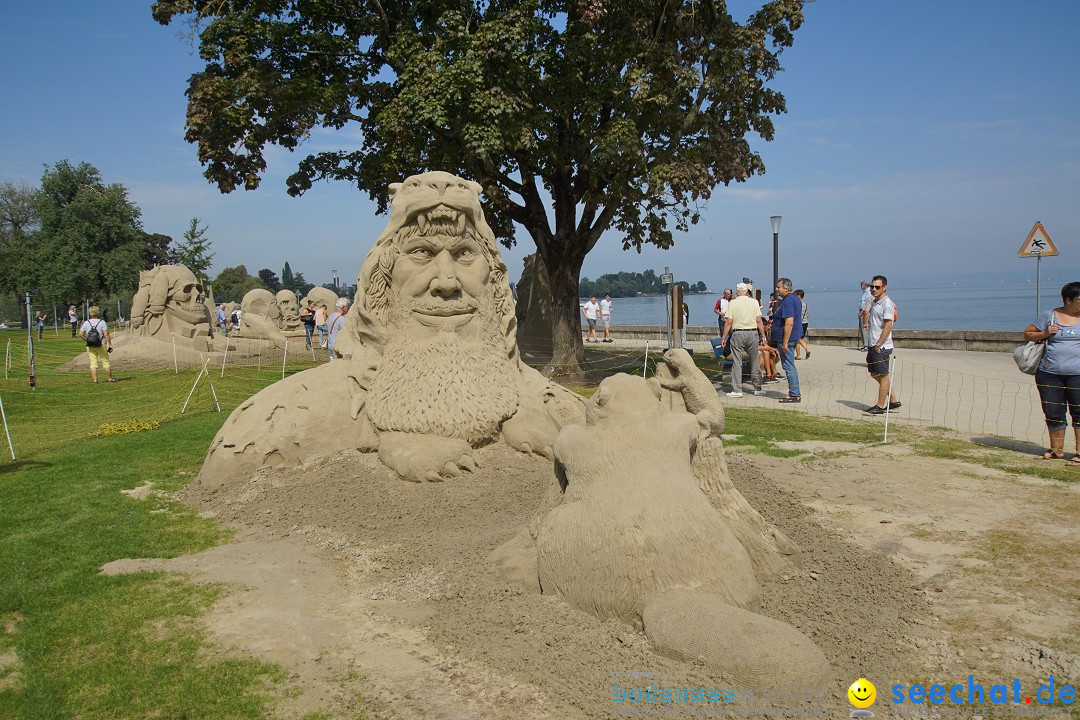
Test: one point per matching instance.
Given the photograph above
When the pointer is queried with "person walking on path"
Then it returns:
(721, 308)
(591, 311)
(787, 329)
(743, 332)
(864, 307)
(1058, 375)
(880, 319)
(605, 317)
(222, 320)
(320, 325)
(685, 324)
(307, 316)
(73, 318)
(336, 321)
(803, 344)
(98, 343)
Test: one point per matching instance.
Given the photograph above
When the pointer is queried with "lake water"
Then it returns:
(952, 307)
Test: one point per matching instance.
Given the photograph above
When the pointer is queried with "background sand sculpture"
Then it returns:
(260, 318)
(321, 296)
(429, 372)
(170, 304)
(289, 322)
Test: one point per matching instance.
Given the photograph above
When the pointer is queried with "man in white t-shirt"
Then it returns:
(721, 308)
(591, 310)
(880, 318)
(99, 347)
(73, 318)
(605, 316)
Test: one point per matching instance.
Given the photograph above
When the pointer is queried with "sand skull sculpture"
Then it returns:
(170, 302)
(643, 524)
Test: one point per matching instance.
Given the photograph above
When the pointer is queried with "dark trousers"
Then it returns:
(1059, 393)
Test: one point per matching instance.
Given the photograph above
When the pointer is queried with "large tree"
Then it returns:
(270, 280)
(618, 115)
(156, 250)
(90, 242)
(233, 283)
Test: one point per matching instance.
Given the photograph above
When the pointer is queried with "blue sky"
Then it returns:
(923, 138)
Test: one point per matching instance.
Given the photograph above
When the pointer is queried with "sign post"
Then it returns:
(1038, 244)
(666, 279)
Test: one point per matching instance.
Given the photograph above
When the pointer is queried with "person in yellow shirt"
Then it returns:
(743, 330)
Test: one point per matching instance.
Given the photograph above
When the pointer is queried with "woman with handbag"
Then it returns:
(1058, 374)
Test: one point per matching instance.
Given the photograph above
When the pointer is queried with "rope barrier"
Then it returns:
(67, 407)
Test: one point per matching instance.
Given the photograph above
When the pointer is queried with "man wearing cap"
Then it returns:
(334, 324)
(742, 332)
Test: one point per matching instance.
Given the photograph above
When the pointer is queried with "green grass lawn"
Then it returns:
(76, 644)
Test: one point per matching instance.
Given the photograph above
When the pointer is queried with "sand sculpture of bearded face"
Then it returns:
(431, 343)
(289, 312)
(427, 367)
(170, 301)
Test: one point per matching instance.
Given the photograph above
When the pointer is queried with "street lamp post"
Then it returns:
(775, 249)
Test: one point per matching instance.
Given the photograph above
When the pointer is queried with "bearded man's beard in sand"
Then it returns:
(444, 385)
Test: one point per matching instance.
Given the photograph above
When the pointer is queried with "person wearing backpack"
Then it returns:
(98, 343)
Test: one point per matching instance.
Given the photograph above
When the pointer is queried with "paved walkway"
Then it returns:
(978, 394)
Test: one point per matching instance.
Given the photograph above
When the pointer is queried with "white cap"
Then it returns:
(741, 286)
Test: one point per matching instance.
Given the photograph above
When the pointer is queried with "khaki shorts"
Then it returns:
(95, 353)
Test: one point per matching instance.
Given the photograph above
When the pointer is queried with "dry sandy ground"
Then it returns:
(915, 570)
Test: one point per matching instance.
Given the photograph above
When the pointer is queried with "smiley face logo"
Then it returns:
(862, 693)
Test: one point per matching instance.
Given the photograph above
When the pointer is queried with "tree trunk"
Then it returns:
(568, 352)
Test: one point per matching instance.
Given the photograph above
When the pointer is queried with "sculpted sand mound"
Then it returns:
(415, 561)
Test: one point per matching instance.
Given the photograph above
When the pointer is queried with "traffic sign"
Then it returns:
(1038, 243)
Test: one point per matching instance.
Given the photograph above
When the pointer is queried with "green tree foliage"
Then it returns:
(269, 278)
(194, 251)
(233, 283)
(287, 280)
(618, 115)
(628, 284)
(18, 225)
(90, 242)
(156, 250)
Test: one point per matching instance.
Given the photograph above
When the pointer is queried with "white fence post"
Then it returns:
(6, 432)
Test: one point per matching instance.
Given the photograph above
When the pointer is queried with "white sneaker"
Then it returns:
(759, 392)
(734, 393)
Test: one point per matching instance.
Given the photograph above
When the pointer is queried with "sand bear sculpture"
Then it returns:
(642, 523)
(170, 303)
(649, 531)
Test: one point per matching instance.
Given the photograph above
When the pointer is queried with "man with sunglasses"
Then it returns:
(880, 318)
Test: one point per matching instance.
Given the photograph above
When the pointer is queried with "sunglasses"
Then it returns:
(876, 287)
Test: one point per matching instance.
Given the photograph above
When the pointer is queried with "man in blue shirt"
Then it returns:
(786, 331)
(221, 320)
